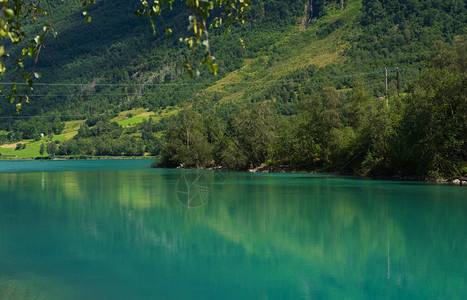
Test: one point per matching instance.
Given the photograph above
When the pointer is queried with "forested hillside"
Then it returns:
(302, 85)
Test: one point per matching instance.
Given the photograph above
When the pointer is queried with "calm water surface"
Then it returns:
(116, 229)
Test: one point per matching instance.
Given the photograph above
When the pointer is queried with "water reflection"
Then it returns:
(127, 234)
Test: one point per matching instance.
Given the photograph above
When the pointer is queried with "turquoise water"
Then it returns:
(116, 229)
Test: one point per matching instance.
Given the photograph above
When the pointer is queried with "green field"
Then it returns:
(125, 118)
(132, 117)
(33, 147)
(133, 120)
(71, 129)
(31, 151)
(135, 116)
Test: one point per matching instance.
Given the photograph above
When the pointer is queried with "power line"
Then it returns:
(52, 117)
(145, 93)
(82, 117)
(87, 95)
(277, 81)
(117, 94)
(106, 84)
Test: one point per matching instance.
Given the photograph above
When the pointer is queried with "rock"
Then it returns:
(456, 181)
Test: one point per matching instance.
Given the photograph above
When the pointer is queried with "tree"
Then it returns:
(57, 126)
(433, 129)
(42, 149)
(186, 142)
(20, 146)
(52, 148)
(253, 129)
(83, 130)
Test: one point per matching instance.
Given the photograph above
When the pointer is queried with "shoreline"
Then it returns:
(456, 180)
(80, 158)
(281, 169)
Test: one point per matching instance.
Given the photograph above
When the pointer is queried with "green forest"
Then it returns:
(300, 87)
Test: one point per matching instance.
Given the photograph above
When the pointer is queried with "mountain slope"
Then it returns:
(295, 66)
(118, 50)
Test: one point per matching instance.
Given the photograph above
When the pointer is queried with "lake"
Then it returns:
(117, 229)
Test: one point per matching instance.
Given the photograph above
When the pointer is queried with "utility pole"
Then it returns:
(387, 95)
(398, 83)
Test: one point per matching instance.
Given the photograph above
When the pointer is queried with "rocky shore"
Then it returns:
(462, 181)
(457, 180)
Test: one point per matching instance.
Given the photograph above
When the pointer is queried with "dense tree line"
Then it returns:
(32, 128)
(422, 134)
(110, 139)
(400, 31)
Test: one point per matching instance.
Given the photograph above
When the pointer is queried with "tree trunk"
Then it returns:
(309, 11)
(261, 11)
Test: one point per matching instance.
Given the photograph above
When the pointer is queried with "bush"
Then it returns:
(20, 146)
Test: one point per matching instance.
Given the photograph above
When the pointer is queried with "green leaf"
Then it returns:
(9, 13)
(38, 39)
(2, 68)
(189, 69)
(213, 68)
(87, 20)
(153, 26)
